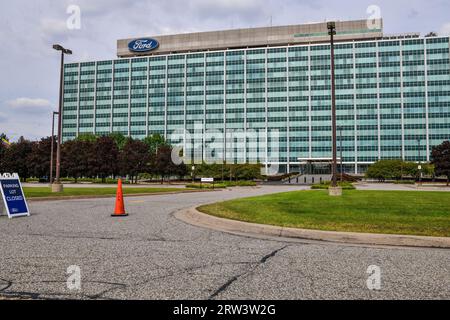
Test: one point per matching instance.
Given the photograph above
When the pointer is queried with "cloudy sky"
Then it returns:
(29, 68)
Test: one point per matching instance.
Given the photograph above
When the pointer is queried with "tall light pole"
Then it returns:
(341, 157)
(420, 162)
(57, 186)
(52, 147)
(224, 158)
(334, 190)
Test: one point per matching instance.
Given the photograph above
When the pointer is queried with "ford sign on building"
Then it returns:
(143, 45)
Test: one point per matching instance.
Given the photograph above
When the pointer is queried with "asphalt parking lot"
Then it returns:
(152, 255)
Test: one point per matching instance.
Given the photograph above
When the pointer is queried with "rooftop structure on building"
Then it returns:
(256, 37)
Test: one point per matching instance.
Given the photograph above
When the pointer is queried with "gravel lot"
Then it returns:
(152, 255)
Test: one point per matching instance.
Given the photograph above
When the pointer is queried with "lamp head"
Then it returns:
(58, 47)
(331, 27)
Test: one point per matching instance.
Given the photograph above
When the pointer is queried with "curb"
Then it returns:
(194, 217)
(87, 197)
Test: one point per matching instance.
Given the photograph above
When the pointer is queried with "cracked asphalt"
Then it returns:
(152, 255)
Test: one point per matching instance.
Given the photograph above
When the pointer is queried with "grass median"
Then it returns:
(390, 212)
(42, 192)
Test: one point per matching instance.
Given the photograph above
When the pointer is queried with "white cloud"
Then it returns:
(29, 117)
(29, 103)
(445, 29)
(100, 7)
(3, 117)
(250, 11)
(236, 5)
(53, 28)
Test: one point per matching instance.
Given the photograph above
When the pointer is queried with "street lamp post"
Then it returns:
(52, 147)
(334, 189)
(340, 150)
(224, 163)
(57, 186)
(224, 157)
(420, 162)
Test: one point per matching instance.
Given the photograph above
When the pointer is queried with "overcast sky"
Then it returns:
(29, 68)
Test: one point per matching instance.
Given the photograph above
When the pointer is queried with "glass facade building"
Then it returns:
(393, 99)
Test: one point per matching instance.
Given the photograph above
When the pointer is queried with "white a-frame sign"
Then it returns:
(13, 196)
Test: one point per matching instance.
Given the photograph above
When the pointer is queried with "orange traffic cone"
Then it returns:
(120, 206)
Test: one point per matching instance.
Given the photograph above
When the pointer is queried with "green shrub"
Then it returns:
(240, 183)
(404, 182)
(205, 186)
(236, 171)
(92, 180)
(326, 185)
(396, 169)
(221, 185)
(110, 181)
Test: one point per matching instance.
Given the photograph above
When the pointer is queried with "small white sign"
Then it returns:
(208, 180)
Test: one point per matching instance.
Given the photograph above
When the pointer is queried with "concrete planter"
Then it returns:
(57, 187)
(335, 191)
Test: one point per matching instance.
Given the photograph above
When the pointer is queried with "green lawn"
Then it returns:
(392, 212)
(39, 192)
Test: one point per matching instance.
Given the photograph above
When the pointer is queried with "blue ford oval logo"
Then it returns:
(143, 45)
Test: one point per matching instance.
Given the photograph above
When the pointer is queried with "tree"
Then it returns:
(154, 142)
(3, 146)
(397, 169)
(440, 157)
(89, 137)
(412, 169)
(181, 171)
(105, 155)
(431, 34)
(75, 158)
(386, 170)
(163, 165)
(247, 171)
(119, 138)
(15, 158)
(229, 171)
(134, 158)
(39, 158)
